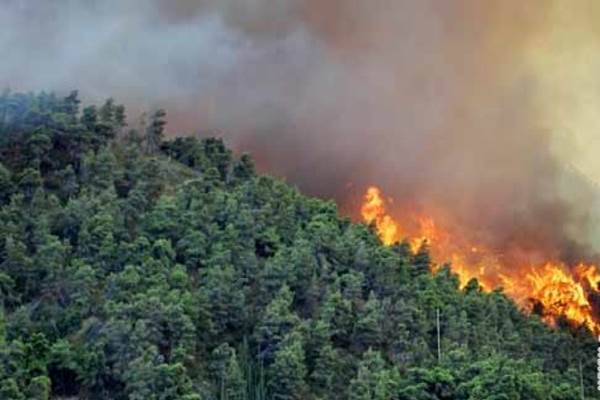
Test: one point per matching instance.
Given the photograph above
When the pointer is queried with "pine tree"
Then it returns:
(373, 380)
(288, 373)
(235, 388)
(331, 374)
(244, 168)
(10, 390)
(230, 382)
(338, 314)
(39, 388)
(421, 263)
(277, 322)
(368, 328)
(155, 131)
(6, 185)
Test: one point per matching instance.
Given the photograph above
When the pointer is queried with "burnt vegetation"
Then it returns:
(133, 266)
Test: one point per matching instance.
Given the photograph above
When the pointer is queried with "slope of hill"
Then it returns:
(132, 267)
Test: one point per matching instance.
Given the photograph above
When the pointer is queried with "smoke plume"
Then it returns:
(483, 113)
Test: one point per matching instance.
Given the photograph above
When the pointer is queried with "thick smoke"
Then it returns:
(482, 113)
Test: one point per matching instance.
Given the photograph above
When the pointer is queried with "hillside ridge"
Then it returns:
(133, 266)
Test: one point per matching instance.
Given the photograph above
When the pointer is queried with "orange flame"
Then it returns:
(552, 289)
(373, 211)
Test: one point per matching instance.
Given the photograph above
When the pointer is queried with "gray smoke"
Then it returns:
(435, 101)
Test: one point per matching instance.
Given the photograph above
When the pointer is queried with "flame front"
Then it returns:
(373, 211)
(552, 289)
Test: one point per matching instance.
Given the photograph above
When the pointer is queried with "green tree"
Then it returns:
(368, 328)
(244, 168)
(498, 377)
(29, 181)
(288, 373)
(149, 378)
(277, 322)
(6, 185)
(155, 131)
(10, 390)
(226, 369)
(331, 374)
(373, 381)
(39, 388)
(421, 263)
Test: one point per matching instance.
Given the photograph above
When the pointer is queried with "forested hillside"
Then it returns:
(135, 267)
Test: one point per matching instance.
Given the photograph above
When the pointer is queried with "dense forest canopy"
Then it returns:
(136, 267)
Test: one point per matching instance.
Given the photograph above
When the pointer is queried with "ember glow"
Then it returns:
(552, 289)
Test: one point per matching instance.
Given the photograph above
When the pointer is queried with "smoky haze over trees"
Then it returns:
(487, 96)
(134, 267)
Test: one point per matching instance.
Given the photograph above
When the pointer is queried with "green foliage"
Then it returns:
(373, 381)
(227, 373)
(9, 389)
(288, 373)
(39, 388)
(155, 131)
(132, 267)
(6, 185)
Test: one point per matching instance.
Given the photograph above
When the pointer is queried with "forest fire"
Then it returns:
(553, 289)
